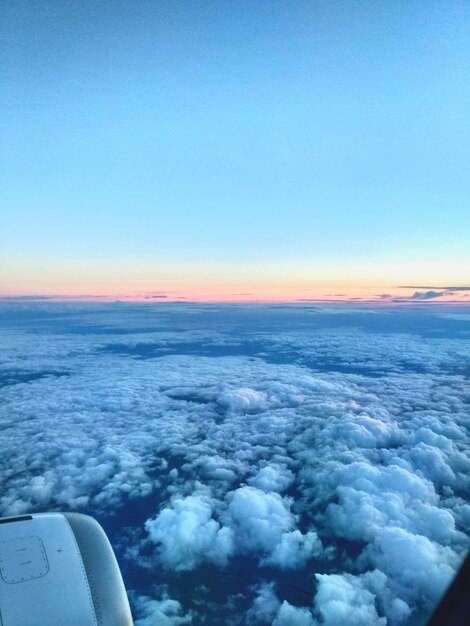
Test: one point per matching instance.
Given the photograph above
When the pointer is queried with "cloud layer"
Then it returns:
(265, 465)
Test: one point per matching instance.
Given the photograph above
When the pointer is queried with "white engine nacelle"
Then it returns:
(58, 569)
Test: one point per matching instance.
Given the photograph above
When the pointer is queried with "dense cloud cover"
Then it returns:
(253, 465)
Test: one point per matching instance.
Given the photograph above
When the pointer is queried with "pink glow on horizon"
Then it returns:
(372, 295)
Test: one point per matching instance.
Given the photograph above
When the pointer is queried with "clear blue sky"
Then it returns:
(212, 135)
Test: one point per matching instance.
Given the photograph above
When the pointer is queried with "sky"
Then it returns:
(226, 151)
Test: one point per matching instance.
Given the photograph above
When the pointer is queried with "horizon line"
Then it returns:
(379, 300)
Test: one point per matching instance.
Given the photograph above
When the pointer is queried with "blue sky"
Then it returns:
(212, 139)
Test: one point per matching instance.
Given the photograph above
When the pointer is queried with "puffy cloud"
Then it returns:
(166, 612)
(254, 522)
(243, 400)
(187, 535)
(273, 478)
(265, 605)
(259, 519)
(408, 536)
(343, 599)
(370, 498)
(363, 431)
(289, 615)
(295, 549)
(419, 568)
(262, 522)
